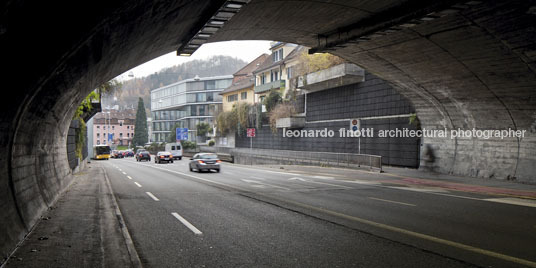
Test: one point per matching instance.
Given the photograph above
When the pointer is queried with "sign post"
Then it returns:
(355, 125)
(251, 134)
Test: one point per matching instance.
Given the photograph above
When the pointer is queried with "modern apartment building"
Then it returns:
(114, 127)
(186, 103)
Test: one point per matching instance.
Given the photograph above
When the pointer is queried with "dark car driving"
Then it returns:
(205, 162)
(143, 155)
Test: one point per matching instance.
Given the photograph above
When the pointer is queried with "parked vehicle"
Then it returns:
(143, 155)
(205, 162)
(175, 149)
(117, 154)
(163, 156)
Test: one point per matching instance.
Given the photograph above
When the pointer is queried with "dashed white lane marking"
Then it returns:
(130, 178)
(186, 223)
(152, 196)
(124, 173)
(395, 202)
(139, 185)
(324, 177)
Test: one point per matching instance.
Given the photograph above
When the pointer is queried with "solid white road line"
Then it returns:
(186, 223)
(152, 196)
(395, 202)
(514, 201)
(139, 185)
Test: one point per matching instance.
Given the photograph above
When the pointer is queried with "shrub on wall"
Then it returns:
(282, 110)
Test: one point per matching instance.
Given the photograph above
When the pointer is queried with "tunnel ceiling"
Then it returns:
(462, 64)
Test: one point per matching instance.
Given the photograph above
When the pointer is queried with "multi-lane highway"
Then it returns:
(247, 216)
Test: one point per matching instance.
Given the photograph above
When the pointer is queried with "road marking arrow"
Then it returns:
(297, 178)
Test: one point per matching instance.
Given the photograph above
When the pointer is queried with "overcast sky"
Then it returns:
(245, 50)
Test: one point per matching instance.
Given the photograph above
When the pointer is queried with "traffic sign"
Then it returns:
(181, 134)
(355, 124)
(251, 132)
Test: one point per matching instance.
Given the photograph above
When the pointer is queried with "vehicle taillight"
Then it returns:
(161, 156)
(201, 162)
(218, 161)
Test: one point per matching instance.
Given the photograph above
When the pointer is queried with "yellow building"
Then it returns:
(277, 70)
(242, 88)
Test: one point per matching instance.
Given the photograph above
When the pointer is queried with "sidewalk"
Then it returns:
(80, 230)
(414, 178)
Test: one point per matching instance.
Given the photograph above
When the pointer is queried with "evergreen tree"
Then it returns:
(140, 130)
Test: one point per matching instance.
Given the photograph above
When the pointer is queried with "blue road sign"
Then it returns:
(182, 134)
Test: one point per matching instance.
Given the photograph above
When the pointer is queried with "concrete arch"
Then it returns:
(450, 65)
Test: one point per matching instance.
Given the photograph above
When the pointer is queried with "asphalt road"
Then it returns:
(250, 216)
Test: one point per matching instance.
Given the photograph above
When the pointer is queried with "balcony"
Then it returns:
(336, 76)
(290, 122)
(266, 87)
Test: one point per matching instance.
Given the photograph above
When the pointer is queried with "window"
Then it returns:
(98, 126)
(290, 72)
(98, 135)
(120, 123)
(209, 85)
(277, 55)
(128, 127)
(190, 97)
(244, 95)
(232, 98)
(210, 96)
(121, 135)
(274, 75)
(224, 83)
(201, 97)
(113, 127)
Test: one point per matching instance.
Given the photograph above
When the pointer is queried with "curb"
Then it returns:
(133, 254)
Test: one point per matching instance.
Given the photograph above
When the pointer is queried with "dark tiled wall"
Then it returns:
(368, 99)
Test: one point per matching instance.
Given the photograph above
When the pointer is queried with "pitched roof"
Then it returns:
(241, 84)
(252, 66)
(269, 62)
(244, 78)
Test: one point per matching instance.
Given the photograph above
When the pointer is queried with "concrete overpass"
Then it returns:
(462, 64)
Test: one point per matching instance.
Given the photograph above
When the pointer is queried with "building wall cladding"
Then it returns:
(372, 98)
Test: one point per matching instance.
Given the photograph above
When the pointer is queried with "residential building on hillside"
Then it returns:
(243, 82)
(114, 127)
(186, 103)
(276, 71)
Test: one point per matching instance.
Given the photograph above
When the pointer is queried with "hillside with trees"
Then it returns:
(136, 88)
